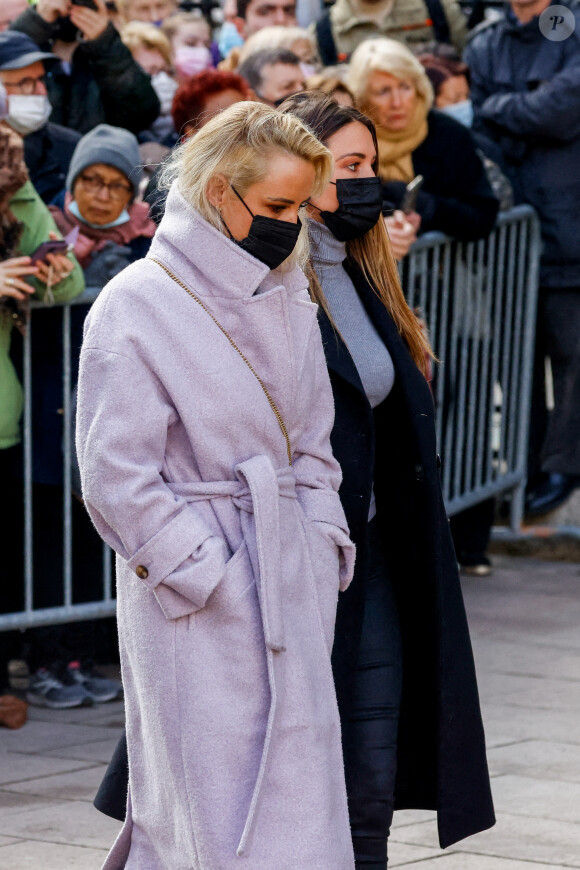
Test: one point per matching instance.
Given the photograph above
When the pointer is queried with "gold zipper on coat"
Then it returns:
(281, 423)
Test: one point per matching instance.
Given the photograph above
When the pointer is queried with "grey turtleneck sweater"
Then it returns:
(370, 356)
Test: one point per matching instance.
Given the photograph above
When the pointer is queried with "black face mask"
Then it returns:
(360, 205)
(269, 240)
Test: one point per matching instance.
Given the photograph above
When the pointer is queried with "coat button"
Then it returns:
(419, 473)
(142, 572)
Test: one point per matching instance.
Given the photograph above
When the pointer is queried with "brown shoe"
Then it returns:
(13, 711)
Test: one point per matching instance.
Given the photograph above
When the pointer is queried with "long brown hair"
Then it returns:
(371, 252)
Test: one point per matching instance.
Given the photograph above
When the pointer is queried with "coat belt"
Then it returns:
(257, 491)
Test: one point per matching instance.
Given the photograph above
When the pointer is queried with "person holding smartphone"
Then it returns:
(25, 224)
(97, 80)
(403, 666)
(391, 87)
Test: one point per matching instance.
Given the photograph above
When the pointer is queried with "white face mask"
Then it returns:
(28, 113)
(308, 69)
(165, 87)
(462, 112)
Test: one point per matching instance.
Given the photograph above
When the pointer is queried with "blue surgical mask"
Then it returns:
(123, 218)
(462, 112)
(229, 38)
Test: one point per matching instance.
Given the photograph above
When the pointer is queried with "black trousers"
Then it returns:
(370, 737)
(555, 436)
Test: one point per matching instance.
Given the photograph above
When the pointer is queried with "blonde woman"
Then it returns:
(295, 39)
(151, 49)
(391, 86)
(403, 667)
(204, 418)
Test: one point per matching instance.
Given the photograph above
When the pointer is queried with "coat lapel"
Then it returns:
(338, 358)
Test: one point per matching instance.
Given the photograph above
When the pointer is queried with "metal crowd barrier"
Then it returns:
(479, 302)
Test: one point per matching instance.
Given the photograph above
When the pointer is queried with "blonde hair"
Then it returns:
(275, 37)
(123, 7)
(140, 34)
(173, 22)
(388, 56)
(237, 143)
(328, 84)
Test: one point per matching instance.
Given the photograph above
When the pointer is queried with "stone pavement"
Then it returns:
(525, 624)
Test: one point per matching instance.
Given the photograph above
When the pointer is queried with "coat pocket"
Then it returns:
(238, 579)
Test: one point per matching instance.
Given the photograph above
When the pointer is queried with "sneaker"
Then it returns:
(45, 689)
(97, 687)
(475, 565)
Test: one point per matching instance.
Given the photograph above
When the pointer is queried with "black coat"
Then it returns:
(456, 197)
(105, 85)
(525, 91)
(441, 754)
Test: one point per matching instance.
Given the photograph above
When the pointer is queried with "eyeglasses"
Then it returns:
(94, 184)
(26, 86)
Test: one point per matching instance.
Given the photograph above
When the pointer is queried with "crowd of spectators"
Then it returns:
(94, 94)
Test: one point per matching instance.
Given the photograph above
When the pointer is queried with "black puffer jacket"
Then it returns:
(456, 197)
(105, 85)
(526, 98)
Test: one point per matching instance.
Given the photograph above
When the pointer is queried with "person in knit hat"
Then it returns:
(101, 189)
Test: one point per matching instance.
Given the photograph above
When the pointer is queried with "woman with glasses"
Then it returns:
(103, 180)
(113, 231)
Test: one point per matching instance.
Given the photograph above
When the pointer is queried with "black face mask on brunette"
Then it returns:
(360, 205)
(269, 240)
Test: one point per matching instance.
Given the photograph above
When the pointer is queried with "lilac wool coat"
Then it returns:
(229, 559)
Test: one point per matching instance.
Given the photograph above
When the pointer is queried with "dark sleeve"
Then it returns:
(31, 23)
(456, 198)
(126, 92)
(551, 111)
(111, 798)
(476, 57)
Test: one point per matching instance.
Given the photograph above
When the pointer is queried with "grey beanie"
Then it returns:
(113, 146)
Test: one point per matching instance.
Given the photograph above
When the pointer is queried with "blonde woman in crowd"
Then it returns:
(295, 39)
(391, 86)
(204, 418)
(152, 50)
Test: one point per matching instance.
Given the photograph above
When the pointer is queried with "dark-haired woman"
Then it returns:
(403, 665)
(402, 657)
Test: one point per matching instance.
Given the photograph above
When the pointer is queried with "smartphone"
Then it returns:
(56, 246)
(89, 4)
(409, 202)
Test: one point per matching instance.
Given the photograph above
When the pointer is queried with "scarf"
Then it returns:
(396, 147)
(93, 239)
